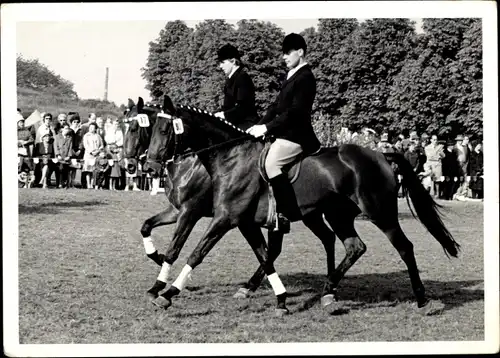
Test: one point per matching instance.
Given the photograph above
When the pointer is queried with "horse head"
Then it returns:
(138, 135)
(162, 139)
(185, 127)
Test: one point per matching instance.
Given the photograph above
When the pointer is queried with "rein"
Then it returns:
(197, 152)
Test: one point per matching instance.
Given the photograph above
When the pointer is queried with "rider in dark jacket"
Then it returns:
(239, 91)
(289, 120)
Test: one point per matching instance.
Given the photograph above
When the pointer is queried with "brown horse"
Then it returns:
(338, 182)
(188, 190)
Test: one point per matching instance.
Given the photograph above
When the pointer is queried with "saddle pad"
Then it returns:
(292, 170)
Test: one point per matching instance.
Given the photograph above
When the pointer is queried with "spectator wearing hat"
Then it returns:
(44, 151)
(239, 91)
(434, 153)
(450, 172)
(384, 146)
(24, 141)
(289, 120)
(476, 171)
(367, 139)
(463, 156)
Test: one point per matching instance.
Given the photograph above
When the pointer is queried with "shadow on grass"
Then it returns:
(368, 290)
(385, 289)
(55, 207)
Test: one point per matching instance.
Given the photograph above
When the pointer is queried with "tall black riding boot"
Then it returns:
(286, 203)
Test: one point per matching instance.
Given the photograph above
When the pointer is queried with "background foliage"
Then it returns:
(40, 88)
(379, 73)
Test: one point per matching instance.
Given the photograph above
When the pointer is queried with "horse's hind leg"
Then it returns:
(253, 234)
(383, 212)
(343, 225)
(317, 225)
(399, 240)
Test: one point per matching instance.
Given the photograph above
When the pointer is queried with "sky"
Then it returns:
(78, 41)
(81, 51)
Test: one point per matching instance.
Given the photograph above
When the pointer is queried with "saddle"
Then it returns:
(292, 170)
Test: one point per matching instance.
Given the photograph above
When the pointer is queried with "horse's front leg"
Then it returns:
(275, 243)
(218, 227)
(166, 217)
(187, 218)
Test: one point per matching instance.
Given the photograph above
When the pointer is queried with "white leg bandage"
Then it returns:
(181, 280)
(276, 283)
(165, 269)
(148, 245)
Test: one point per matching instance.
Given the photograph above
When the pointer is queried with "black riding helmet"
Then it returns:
(294, 42)
(227, 52)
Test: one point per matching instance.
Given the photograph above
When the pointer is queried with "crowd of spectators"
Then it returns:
(449, 168)
(52, 152)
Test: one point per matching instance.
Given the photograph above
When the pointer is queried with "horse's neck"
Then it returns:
(219, 160)
(210, 130)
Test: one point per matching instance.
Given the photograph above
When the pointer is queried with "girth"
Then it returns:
(292, 170)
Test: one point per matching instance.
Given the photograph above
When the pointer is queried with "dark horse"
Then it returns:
(339, 182)
(189, 194)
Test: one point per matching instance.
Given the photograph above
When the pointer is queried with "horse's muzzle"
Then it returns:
(152, 167)
(130, 165)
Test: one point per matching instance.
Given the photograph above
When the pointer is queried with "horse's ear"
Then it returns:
(130, 103)
(168, 105)
(140, 104)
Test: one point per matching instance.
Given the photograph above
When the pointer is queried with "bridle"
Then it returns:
(178, 129)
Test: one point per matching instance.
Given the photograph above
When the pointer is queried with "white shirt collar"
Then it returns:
(293, 70)
(235, 68)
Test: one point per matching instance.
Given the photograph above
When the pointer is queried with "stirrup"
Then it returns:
(282, 224)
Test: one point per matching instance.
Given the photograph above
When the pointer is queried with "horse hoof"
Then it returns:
(242, 293)
(280, 312)
(331, 305)
(162, 302)
(432, 307)
(151, 295)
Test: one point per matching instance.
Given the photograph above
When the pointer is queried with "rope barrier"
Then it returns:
(71, 161)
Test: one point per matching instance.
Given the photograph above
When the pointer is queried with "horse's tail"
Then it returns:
(426, 208)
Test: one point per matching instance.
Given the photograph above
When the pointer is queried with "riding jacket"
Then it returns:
(289, 117)
(239, 100)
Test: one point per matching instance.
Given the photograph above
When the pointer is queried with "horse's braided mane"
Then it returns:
(202, 111)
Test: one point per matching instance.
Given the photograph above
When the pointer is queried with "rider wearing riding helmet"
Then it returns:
(288, 119)
(239, 91)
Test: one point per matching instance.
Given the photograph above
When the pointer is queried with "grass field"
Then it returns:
(83, 275)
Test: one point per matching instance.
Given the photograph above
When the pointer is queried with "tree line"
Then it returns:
(38, 87)
(378, 73)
